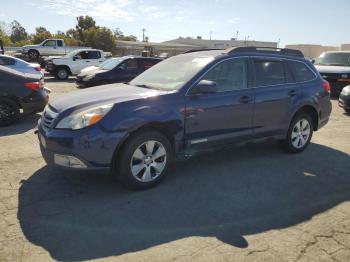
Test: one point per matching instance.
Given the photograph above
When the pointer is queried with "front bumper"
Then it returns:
(35, 102)
(92, 146)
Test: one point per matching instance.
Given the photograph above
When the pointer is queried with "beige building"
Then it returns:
(345, 47)
(313, 51)
(220, 44)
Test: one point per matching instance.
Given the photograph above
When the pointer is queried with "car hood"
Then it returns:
(89, 68)
(107, 94)
(92, 71)
(30, 46)
(333, 69)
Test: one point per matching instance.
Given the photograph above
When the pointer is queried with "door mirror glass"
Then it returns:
(205, 87)
(76, 57)
(313, 61)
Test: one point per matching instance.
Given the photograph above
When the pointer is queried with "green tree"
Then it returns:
(41, 33)
(119, 35)
(4, 34)
(84, 23)
(100, 38)
(67, 39)
(18, 32)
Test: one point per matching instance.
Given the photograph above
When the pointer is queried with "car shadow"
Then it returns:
(22, 125)
(54, 80)
(226, 194)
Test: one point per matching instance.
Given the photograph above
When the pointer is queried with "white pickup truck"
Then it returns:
(49, 47)
(74, 62)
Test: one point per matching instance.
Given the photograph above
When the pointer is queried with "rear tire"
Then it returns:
(143, 160)
(299, 133)
(62, 73)
(9, 111)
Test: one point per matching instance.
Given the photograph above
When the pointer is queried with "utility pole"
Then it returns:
(210, 34)
(143, 34)
(237, 35)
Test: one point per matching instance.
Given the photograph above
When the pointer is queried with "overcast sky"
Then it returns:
(294, 21)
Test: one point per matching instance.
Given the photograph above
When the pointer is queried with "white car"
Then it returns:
(75, 61)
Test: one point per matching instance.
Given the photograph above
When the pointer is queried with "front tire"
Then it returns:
(143, 160)
(9, 111)
(62, 73)
(299, 133)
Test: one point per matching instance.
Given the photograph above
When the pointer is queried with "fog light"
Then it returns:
(68, 161)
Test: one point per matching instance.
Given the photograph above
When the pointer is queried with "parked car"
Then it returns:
(335, 68)
(48, 47)
(18, 91)
(187, 103)
(74, 62)
(21, 65)
(344, 99)
(116, 70)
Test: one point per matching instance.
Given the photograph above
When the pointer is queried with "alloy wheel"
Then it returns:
(301, 133)
(148, 161)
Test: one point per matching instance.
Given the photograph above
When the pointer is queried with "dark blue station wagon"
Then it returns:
(188, 103)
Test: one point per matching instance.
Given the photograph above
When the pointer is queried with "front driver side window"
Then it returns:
(229, 75)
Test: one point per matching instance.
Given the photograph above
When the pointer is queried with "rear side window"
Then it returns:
(5, 61)
(300, 71)
(93, 55)
(269, 72)
(59, 43)
(148, 64)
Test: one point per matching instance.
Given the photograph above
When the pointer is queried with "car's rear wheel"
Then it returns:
(62, 73)
(299, 133)
(143, 161)
(9, 111)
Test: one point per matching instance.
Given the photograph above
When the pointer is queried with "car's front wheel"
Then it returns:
(62, 73)
(143, 160)
(299, 133)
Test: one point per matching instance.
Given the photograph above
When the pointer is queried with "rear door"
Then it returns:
(275, 91)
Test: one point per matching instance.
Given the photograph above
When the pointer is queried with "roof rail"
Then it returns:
(245, 49)
(2, 50)
(199, 50)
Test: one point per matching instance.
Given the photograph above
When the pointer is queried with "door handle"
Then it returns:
(87, 61)
(245, 99)
(292, 93)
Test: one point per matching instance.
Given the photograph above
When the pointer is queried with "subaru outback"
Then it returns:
(192, 102)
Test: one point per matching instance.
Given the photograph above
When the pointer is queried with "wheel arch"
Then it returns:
(63, 66)
(310, 110)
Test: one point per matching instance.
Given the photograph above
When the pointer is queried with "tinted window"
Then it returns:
(89, 55)
(229, 75)
(59, 43)
(300, 71)
(268, 72)
(7, 61)
(50, 43)
(93, 55)
(130, 64)
(148, 63)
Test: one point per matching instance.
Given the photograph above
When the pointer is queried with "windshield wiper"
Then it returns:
(145, 86)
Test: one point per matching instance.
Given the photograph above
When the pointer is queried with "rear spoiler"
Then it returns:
(2, 50)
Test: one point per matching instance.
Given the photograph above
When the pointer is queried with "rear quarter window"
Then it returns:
(269, 72)
(301, 72)
(5, 61)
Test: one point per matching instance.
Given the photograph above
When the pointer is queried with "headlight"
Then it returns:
(84, 118)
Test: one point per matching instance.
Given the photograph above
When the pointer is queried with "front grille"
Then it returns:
(48, 117)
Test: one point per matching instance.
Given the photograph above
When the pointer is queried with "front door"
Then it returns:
(221, 117)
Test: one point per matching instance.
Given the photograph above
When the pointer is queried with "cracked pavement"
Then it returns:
(246, 203)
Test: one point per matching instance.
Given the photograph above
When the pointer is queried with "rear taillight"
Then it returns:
(38, 68)
(35, 86)
(326, 86)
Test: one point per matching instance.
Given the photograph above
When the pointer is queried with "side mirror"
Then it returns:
(205, 87)
(76, 57)
(313, 61)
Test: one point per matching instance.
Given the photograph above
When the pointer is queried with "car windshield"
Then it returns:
(172, 73)
(111, 63)
(335, 59)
